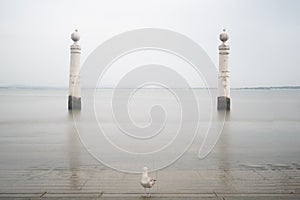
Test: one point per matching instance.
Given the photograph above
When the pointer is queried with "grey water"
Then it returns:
(38, 132)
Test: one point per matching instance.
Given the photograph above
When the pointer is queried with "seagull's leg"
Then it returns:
(149, 194)
(145, 192)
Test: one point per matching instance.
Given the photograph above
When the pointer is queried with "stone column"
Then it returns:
(74, 102)
(224, 74)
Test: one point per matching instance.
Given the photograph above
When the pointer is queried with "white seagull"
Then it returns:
(146, 181)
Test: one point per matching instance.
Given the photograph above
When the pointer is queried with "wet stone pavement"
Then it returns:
(95, 182)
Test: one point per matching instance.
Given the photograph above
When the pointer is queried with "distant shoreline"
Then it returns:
(200, 88)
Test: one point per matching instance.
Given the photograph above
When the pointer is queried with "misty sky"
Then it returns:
(264, 35)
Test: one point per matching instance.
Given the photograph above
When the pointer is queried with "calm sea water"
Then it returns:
(37, 130)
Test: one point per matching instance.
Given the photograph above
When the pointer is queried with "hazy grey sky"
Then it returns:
(264, 35)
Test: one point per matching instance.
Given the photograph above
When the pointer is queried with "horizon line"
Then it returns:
(109, 87)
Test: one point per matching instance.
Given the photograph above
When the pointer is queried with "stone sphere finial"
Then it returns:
(75, 36)
(223, 36)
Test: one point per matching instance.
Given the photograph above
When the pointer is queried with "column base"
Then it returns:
(74, 103)
(223, 103)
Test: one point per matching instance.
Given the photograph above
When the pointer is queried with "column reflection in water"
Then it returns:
(74, 151)
(223, 155)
